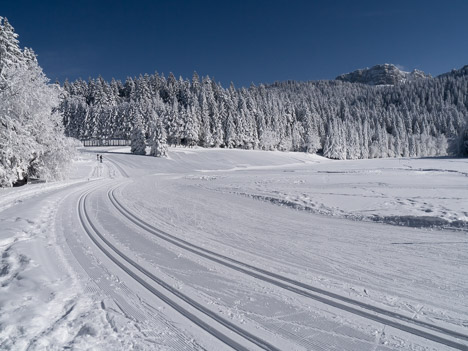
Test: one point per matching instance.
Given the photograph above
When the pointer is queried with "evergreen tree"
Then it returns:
(32, 142)
(138, 141)
(462, 144)
(10, 53)
(158, 140)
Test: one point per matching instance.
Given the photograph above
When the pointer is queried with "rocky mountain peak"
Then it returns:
(385, 74)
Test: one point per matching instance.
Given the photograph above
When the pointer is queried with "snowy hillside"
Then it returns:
(214, 249)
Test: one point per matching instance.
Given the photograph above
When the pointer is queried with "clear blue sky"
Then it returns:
(242, 41)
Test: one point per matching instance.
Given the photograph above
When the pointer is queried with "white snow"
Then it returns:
(213, 224)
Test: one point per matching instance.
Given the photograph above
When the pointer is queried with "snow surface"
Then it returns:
(218, 249)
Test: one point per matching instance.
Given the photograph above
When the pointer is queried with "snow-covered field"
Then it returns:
(230, 249)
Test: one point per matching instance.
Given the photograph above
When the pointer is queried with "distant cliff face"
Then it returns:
(386, 74)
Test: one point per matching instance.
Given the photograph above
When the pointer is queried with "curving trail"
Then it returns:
(433, 332)
(375, 313)
(128, 265)
(145, 253)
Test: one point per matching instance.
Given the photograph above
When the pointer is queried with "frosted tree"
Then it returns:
(175, 124)
(364, 131)
(138, 140)
(158, 140)
(335, 144)
(10, 53)
(230, 135)
(32, 142)
(204, 130)
(462, 142)
(352, 142)
(217, 126)
(311, 139)
(191, 127)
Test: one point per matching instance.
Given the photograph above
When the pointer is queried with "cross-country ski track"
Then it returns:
(165, 254)
(380, 315)
(95, 235)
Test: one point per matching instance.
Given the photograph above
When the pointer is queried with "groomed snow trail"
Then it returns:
(368, 311)
(127, 264)
(231, 249)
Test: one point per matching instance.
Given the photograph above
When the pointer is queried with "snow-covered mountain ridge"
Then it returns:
(456, 72)
(386, 74)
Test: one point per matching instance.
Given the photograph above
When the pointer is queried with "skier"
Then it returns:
(97, 157)
(100, 157)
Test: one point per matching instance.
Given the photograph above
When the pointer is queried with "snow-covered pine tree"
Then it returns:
(204, 130)
(10, 53)
(352, 139)
(462, 142)
(311, 137)
(335, 144)
(191, 128)
(158, 139)
(217, 122)
(32, 142)
(138, 140)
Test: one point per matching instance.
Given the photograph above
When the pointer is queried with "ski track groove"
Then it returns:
(90, 228)
(83, 260)
(121, 170)
(371, 313)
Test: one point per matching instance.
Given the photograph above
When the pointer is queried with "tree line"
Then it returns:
(338, 119)
(341, 120)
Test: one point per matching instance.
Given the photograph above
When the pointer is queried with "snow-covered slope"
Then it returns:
(220, 249)
(456, 72)
(385, 74)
